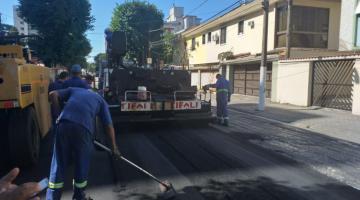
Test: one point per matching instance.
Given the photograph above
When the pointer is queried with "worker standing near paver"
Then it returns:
(58, 83)
(76, 80)
(222, 98)
(89, 80)
(73, 138)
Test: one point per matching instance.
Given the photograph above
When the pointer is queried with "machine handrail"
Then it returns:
(137, 91)
(182, 91)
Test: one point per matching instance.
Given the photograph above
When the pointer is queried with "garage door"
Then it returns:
(246, 80)
(332, 84)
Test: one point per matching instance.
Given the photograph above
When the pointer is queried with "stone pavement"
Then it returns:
(326, 140)
(331, 122)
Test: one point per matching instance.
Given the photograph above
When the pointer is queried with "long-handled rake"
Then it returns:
(165, 187)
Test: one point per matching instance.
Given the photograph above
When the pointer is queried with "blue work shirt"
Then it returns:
(82, 106)
(222, 85)
(76, 82)
(56, 85)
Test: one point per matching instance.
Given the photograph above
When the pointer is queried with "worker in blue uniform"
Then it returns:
(76, 80)
(222, 98)
(73, 138)
(58, 83)
(89, 80)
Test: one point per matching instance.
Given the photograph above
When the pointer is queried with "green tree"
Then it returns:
(99, 58)
(168, 47)
(91, 67)
(138, 20)
(61, 25)
(8, 30)
(13, 31)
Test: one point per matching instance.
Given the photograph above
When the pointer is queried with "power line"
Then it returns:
(225, 11)
(199, 6)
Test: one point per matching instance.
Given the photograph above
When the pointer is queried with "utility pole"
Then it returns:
(289, 28)
(148, 58)
(1, 27)
(263, 67)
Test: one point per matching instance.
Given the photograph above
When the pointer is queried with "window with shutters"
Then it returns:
(223, 35)
(310, 27)
(241, 27)
(193, 44)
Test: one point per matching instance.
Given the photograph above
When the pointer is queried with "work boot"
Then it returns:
(80, 195)
(226, 122)
(86, 198)
(219, 121)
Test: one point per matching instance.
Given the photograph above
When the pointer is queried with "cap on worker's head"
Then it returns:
(76, 68)
(218, 75)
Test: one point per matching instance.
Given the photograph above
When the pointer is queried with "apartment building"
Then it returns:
(231, 44)
(22, 27)
(177, 22)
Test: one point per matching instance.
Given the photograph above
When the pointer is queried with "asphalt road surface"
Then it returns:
(201, 163)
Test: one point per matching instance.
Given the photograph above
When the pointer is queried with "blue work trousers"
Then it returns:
(221, 105)
(71, 141)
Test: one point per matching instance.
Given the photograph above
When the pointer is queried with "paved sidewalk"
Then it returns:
(326, 140)
(331, 122)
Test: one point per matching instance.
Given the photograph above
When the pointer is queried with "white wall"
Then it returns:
(274, 81)
(356, 89)
(208, 78)
(293, 83)
(195, 80)
(347, 22)
(249, 42)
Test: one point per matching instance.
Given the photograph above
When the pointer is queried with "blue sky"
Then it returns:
(102, 11)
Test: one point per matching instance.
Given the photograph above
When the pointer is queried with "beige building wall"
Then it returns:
(248, 42)
(251, 40)
(356, 89)
(334, 18)
(293, 83)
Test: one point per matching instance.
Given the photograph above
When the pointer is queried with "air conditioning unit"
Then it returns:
(251, 24)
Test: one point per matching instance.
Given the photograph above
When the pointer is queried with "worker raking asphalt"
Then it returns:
(167, 190)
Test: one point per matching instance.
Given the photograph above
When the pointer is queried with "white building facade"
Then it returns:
(178, 22)
(19, 23)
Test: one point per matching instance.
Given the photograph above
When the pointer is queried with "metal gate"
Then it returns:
(247, 78)
(332, 84)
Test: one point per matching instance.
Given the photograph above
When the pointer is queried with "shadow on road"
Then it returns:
(262, 188)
